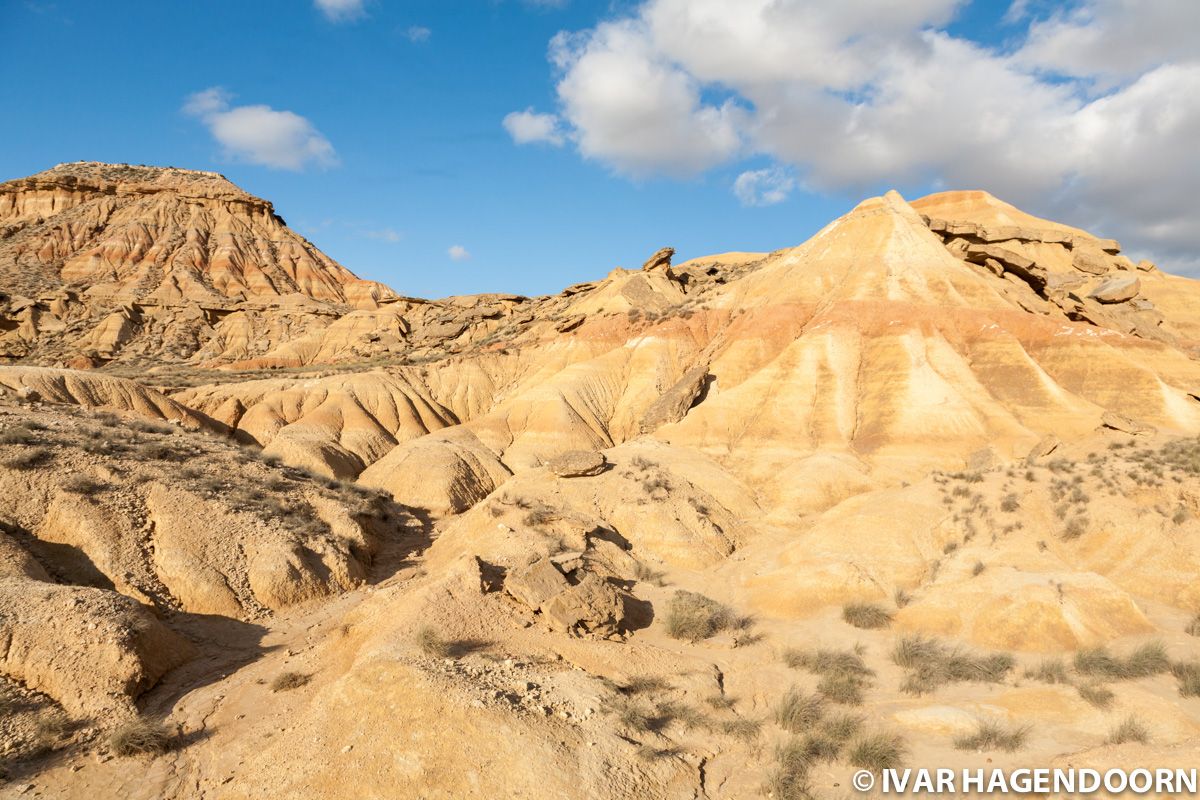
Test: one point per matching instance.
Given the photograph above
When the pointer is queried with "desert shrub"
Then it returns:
(644, 684)
(692, 616)
(978, 569)
(149, 426)
(789, 780)
(1051, 670)
(991, 735)
(1129, 729)
(648, 574)
(877, 751)
(797, 711)
(140, 736)
(1099, 696)
(931, 664)
(1009, 503)
(432, 643)
(161, 451)
(901, 598)
(866, 615)
(721, 702)
(842, 727)
(29, 458)
(1193, 627)
(1098, 662)
(1075, 528)
(1180, 516)
(84, 485)
(286, 681)
(540, 516)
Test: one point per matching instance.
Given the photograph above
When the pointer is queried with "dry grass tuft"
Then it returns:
(798, 712)
(286, 681)
(1099, 696)
(877, 751)
(1130, 729)
(1050, 670)
(991, 735)
(431, 642)
(693, 617)
(140, 736)
(1098, 662)
(866, 615)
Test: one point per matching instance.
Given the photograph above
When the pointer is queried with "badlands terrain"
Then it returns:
(921, 491)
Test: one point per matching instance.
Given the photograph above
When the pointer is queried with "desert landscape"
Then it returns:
(923, 490)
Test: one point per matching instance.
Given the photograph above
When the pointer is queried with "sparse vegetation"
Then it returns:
(1193, 627)
(286, 681)
(844, 674)
(29, 458)
(1009, 503)
(1187, 673)
(866, 615)
(992, 735)
(931, 664)
(83, 485)
(138, 737)
(1129, 729)
(692, 616)
(978, 569)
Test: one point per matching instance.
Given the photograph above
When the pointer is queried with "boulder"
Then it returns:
(1146, 266)
(1120, 422)
(661, 258)
(1117, 290)
(593, 606)
(1091, 262)
(570, 323)
(577, 464)
(1016, 263)
(675, 401)
(536, 584)
(1047, 445)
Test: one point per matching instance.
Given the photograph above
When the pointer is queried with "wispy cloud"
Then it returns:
(458, 253)
(260, 134)
(385, 235)
(417, 33)
(341, 10)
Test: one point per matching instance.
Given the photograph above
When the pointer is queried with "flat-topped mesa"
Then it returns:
(135, 232)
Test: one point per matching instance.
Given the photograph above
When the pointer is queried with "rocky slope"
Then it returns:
(695, 530)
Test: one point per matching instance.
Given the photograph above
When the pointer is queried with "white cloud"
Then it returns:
(763, 187)
(1087, 114)
(260, 134)
(458, 253)
(341, 10)
(528, 126)
(417, 34)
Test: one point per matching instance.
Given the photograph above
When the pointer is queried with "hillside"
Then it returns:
(925, 485)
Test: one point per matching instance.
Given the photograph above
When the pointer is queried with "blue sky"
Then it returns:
(407, 155)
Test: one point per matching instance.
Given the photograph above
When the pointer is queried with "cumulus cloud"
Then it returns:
(763, 187)
(341, 10)
(1087, 113)
(458, 253)
(260, 134)
(528, 126)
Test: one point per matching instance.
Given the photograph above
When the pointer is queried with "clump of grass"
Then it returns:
(23, 433)
(432, 643)
(1099, 696)
(692, 616)
(1098, 662)
(741, 728)
(866, 615)
(978, 569)
(140, 736)
(1075, 528)
(877, 751)
(1187, 673)
(1009, 503)
(991, 735)
(901, 598)
(1193, 627)
(286, 681)
(789, 780)
(1051, 670)
(931, 664)
(798, 712)
(1129, 729)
